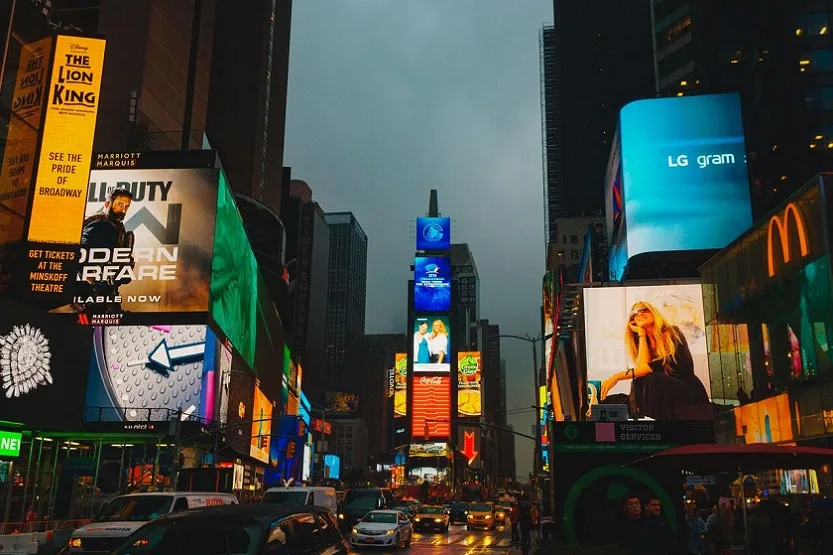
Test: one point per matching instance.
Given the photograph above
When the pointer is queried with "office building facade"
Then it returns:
(466, 284)
(376, 389)
(780, 60)
(346, 299)
(349, 441)
(594, 59)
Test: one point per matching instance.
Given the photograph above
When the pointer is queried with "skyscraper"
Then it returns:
(346, 299)
(596, 58)
(467, 298)
(780, 62)
(375, 404)
(502, 406)
(490, 359)
(247, 101)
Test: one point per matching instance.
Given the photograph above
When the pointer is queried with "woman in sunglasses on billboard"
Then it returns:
(664, 385)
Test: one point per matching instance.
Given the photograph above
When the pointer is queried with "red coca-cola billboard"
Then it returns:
(431, 404)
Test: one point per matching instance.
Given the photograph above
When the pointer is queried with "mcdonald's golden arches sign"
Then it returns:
(779, 227)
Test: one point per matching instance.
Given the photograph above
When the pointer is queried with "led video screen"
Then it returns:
(433, 234)
(43, 363)
(646, 347)
(234, 277)
(261, 426)
(432, 405)
(686, 185)
(432, 284)
(400, 391)
(147, 373)
(469, 377)
(147, 239)
(432, 343)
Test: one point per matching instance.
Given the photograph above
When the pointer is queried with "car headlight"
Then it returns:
(389, 532)
(465, 512)
(416, 520)
(341, 517)
(75, 542)
(488, 517)
(355, 530)
(470, 516)
(438, 520)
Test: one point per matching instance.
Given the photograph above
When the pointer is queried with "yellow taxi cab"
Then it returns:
(501, 515)
(481, 515)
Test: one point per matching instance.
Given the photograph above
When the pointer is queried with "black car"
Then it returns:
(255, 529)
(458, 512)
(359, 502)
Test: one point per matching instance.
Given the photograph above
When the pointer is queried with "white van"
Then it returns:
(303, 497)
(124, 514)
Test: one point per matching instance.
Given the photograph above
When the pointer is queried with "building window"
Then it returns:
(574, 254)
(822, 139)
(574, 239)
(676, 30)
(819, 99)
(812, 24)
(564, 239)
(816, 61)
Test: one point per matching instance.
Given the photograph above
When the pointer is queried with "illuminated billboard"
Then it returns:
(647, 345)
(400, 392)
(765, 421)
(146, 240)
(146, 373)
(43, 364)
(431, 344)
(341, 402)
(20, 151)
(685, 180)
(67, 141)
(432, 284)
(261, 426)
(432, 405)
(433, 234)
(469, 377)
(234, 277)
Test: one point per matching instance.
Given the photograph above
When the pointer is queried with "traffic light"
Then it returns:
(427, 432)
(290, 450)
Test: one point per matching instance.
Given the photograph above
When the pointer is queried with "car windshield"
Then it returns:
(193, 535)
(431, 510)
(481, 508)
(140, 508)
(287, 498)
(460, 506)
(403, 508)
(361, 501)
(380, 518)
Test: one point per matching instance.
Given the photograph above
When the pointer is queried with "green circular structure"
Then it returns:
(603, 472)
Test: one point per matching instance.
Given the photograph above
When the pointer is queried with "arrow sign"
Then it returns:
(164, 358)
(468, 446)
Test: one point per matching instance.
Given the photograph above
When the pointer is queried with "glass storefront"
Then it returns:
(768, 302)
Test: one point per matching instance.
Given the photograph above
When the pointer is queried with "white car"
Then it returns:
(388, 528)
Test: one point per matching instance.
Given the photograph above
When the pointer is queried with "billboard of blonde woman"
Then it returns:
(646, 347)
(431, 344)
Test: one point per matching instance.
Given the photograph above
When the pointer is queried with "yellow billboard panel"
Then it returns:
(400, 387)
(66, 148)
(469, 388)
(30, 92)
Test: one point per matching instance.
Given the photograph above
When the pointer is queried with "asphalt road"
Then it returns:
(457, 541)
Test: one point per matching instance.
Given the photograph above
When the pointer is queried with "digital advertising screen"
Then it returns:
(431, 344)
(43, 366)
(332, 467)
(686, 185)
(261, 426)
(765, 421)
(647, 344)
(20, 152)
(432, 284)
(234, 277)
(433, 234)
(400, 392)
(341, 402)
(224, 363)
(160, 260)
(432, 404)
(145, 373)
(469, 378)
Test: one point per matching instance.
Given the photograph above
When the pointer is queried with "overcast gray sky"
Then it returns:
(389, 99)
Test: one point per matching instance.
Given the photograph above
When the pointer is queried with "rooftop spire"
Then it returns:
(433, 209)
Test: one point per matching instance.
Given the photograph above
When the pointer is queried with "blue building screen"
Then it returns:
(433, 234)
(432, 284)
(686, 185)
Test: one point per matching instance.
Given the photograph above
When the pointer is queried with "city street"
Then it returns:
(458, 540)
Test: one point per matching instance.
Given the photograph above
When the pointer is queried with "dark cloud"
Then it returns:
(389, 99)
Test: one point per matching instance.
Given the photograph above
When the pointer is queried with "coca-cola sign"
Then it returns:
(435, 380)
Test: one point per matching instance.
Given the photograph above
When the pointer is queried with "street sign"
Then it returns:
(10, 444)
